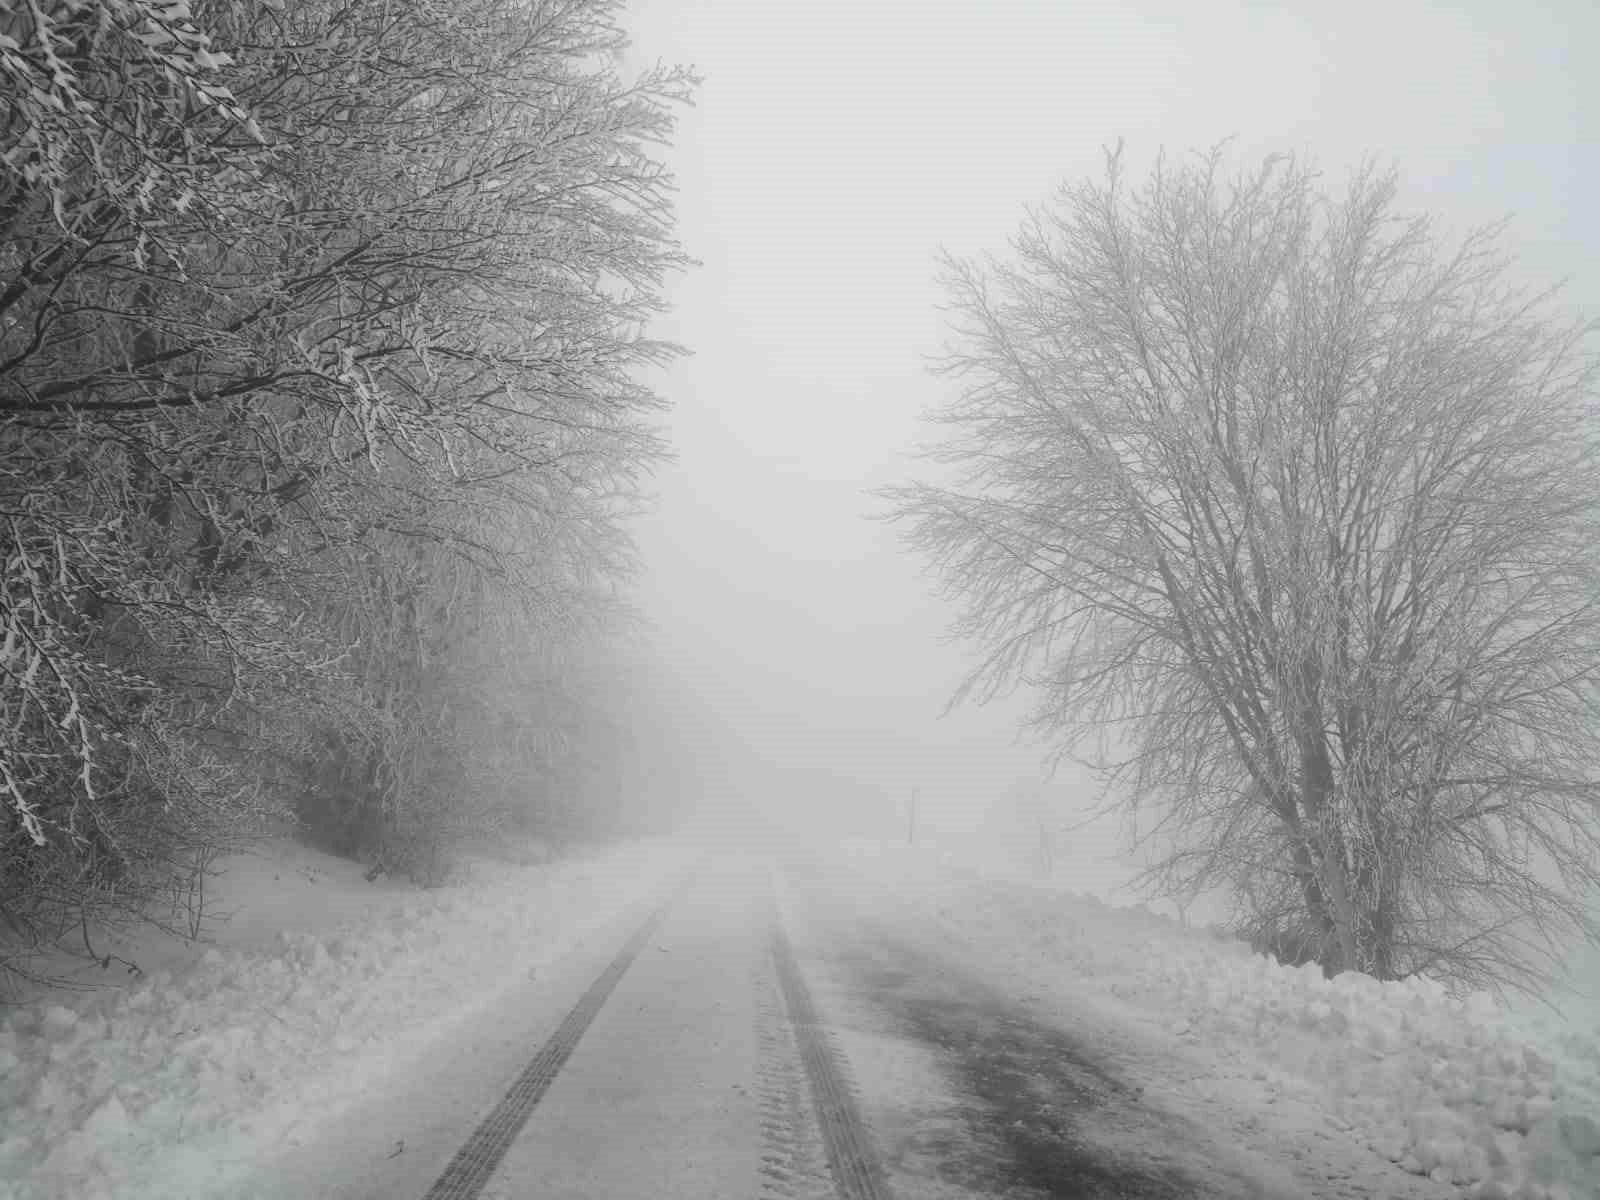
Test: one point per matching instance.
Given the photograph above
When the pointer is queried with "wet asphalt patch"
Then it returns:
(1042, 1117)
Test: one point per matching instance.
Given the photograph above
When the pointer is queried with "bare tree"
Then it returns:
(1289, 510)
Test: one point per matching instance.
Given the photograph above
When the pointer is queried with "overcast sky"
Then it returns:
(837, 144)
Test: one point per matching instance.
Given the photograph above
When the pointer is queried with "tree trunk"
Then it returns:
(1316, 787)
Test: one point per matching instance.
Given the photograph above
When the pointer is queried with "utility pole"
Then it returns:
(911, 819)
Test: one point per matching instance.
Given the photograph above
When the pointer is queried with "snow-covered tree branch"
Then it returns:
(1289, 510)
(319, 333)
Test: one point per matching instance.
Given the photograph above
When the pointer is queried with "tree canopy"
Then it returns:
(320, 418)
(1288, 509)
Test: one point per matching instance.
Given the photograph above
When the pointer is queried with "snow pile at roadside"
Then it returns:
(114, 1092)
(1460, 1090)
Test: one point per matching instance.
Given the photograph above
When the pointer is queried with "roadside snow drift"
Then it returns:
(1461, 1090)
(128, 1092)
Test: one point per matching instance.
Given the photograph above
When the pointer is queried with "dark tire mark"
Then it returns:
(477, 1159)
(854, 1165)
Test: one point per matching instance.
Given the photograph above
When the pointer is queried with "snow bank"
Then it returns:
(126, 1092)
(1461, 1090)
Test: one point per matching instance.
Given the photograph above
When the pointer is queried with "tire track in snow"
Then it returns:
(471, 1167)
(857, 1174)
(793, 1165)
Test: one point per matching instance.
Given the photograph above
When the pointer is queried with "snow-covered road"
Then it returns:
(658, 1062)
(680, 1072)
(660, 1098)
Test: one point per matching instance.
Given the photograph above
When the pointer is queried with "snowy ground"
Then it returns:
(320, 984)
(323, 983)
(1484, 1101)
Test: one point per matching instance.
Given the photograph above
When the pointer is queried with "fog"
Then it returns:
(835, 146)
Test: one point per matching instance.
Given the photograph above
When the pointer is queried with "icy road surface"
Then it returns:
(683, 1076)
(972, 1092)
